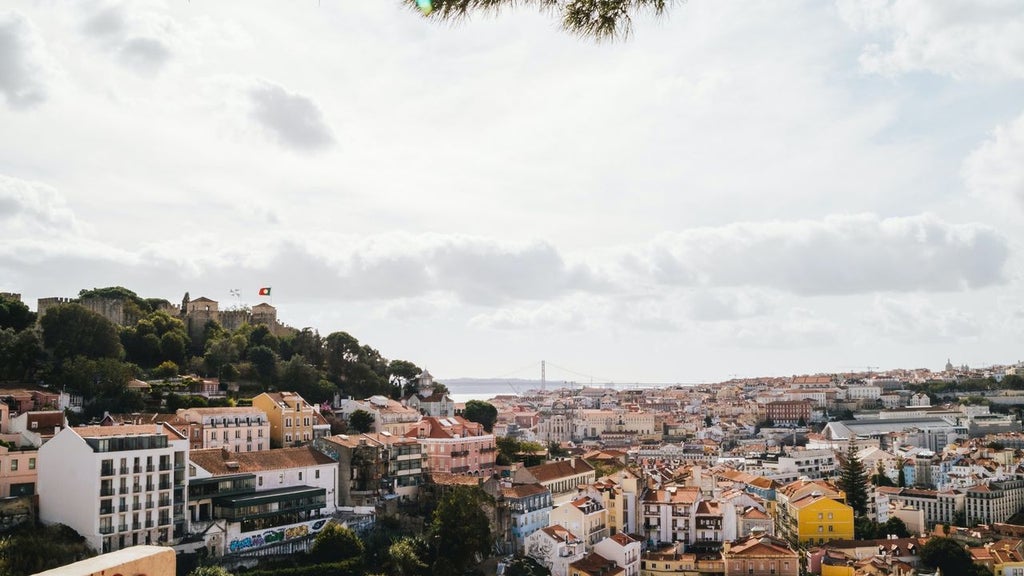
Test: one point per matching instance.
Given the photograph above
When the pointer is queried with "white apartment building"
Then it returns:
(583, 516)
(236, 500)
(236, 429)
(623, 550)
(388, 415)
(117, 486)
(555, 547)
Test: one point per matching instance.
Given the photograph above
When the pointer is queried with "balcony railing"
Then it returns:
(122, 527)
(124, 489)
(106, 529)
(150, 487)
(150, 468)
(137, 488)
(106, 491)
(136, 525)
(149, 524)
(106, 510)
(165, 485)
(165, 466)
(460, 453)
(137, 469)
(107, 471)
(165, 520)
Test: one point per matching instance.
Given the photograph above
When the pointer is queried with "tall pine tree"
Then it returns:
(854, 482)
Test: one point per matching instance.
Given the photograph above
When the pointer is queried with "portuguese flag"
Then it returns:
(265, 291)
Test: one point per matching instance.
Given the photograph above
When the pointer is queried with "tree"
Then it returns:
(597, 19)
(864, 528)
(459, 531)
(335, 543)
(32, 548)
(853, 481)
(525, 566)
(404, 557)
(264, 360)
(166, 369)
(73, 330)
(15, 314)
(946, 554)
(21, 354)
(879, 478)
(894, 526)
(481, 412)
(361, 421)
(210, 571)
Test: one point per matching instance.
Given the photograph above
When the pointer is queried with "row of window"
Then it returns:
(14, 464)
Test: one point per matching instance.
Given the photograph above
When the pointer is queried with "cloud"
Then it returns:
(958, 38)
(567, 315)
(139, 39)
(799, 328)
(995, 170)
(837, 255)
(22, 67)
(917, 320)
(294, 120)
(32, 207)
(716, 305)
(144, 55)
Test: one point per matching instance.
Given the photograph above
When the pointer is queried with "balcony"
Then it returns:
(165, 466)
(107, 491)
(488, 449)
(124, 489)
(150, 487)
(106, 529)
(165, 485)
(137, 469)
(125, 470)
(149, 504)
(107, 471)
(122, 527)
(106, 510)
(136, 525)
(165, 521)
(150, 524)
(137, 488)
(460, 453)
(150, 468)
(165, 502)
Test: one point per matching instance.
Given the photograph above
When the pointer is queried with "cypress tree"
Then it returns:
(853, 481)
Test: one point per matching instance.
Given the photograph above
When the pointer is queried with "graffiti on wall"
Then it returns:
(274, 535)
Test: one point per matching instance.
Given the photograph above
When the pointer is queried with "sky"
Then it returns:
(738, 189)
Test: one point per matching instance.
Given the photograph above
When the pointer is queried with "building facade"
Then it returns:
(129, 484)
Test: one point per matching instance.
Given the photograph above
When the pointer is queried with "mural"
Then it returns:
(272, 536)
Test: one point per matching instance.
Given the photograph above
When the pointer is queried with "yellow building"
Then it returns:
(786, 520)
(821, 519)
(291, 418)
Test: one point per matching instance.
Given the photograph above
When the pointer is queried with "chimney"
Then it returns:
(572, 462)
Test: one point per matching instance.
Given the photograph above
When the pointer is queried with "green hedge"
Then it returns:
(353, 567)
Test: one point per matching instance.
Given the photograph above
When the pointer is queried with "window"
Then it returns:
(287, 422)
(14, 465)
(317, 474)
(261, 481)
(300, 476)
(31, 463)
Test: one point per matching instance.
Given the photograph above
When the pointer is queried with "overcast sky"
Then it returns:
(742, 188)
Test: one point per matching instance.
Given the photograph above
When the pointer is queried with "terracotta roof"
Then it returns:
(596, 565)
(559, 533)
(216, 460)
(561, 469)
(442, 428)
(126, 430)
(523, 490)
(622, 539)
(760, 546)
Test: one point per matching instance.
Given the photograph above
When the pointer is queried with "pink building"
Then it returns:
(17, 472)
(455, 445)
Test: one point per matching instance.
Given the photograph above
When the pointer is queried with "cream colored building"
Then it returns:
(235, 429)
(583, 516)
